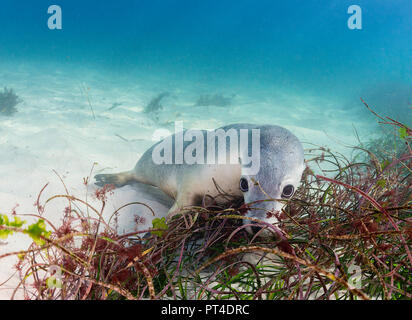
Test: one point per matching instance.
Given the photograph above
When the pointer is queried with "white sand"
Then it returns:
(55, 130)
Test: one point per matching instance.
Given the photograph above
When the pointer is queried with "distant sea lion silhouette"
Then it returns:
(279, 174)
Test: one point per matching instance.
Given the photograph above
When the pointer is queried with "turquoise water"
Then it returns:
(304, 47)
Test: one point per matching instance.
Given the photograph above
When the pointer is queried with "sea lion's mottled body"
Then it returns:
(281, 162)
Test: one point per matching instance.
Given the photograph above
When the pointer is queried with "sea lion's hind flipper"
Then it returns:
(117, 179)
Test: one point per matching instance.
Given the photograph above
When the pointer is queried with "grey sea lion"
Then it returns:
(279, 155)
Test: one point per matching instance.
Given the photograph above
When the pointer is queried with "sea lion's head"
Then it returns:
(280, 171)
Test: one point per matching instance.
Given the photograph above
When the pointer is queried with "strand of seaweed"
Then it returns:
(85, 91)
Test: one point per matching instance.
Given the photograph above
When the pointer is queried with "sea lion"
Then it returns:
(280, 166)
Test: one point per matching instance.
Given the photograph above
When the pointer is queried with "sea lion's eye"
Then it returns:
(288, 191)
(244, 185)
